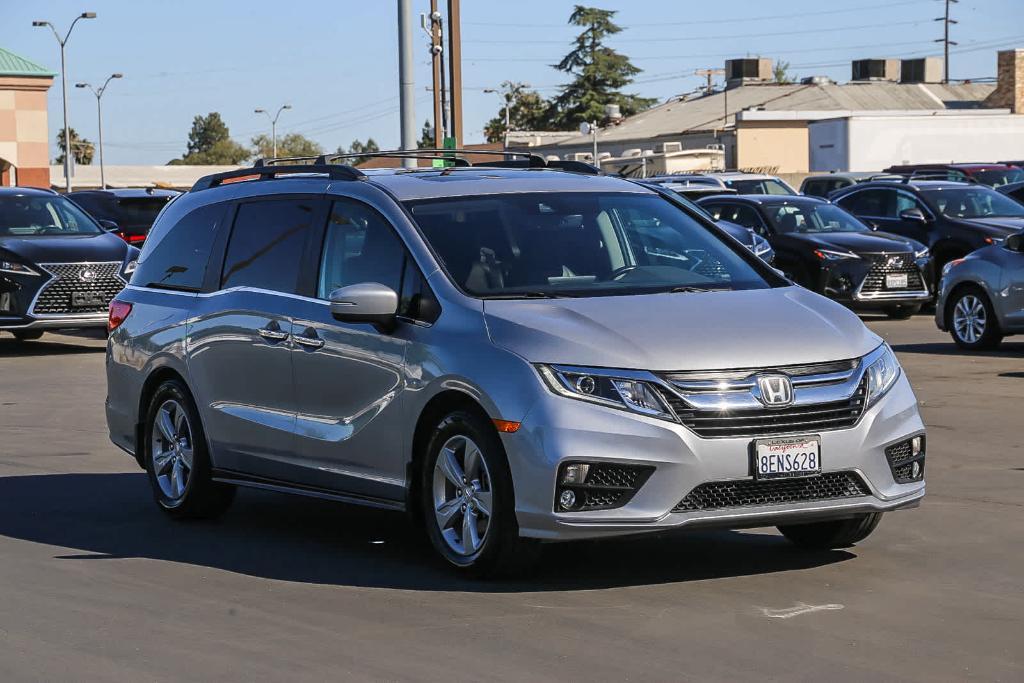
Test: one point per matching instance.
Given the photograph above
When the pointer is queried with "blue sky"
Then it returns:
(335, 61)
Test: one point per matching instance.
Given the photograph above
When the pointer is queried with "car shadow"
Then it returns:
(1006, 350)
(12, 348)
(106, 516)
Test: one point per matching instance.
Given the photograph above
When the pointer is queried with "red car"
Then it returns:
(992, 175)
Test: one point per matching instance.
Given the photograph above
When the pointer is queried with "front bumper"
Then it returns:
(46, 301)
(859, 283)
(558, 430)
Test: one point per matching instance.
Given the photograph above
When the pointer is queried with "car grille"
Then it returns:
(720, 495)
(55, 297)
(769, 421)
(874, 281)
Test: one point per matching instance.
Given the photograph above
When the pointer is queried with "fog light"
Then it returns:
(915, 470)
(575, 474)
(567, 499)
(915, 446)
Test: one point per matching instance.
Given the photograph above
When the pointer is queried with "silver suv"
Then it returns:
(513, 355)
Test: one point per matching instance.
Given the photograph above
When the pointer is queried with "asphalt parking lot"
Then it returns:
(95, 584)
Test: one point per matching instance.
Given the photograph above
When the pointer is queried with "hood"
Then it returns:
(998, 226)
(684, 331)
(66, 249)
(860, 242)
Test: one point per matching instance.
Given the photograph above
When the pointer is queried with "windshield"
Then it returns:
(1000, 177)
(973, 202)
(41, 216)
(139, 211)
(765, 186)
(577, 244)
(813, 218)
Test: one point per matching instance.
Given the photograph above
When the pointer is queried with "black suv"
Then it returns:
(952, 218)
(133, 210)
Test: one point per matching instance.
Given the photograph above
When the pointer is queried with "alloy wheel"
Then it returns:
(969, 318)
(462, 495)
(171, 449)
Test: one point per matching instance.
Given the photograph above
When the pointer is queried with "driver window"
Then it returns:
(748, 218)
(359, 246)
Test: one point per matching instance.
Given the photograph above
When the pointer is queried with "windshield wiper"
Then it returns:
(527, 295)
(692, 289)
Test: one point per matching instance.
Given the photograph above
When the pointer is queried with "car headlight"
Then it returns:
(883, 370)
(623, 390)
(16, 268)
(921, 254)
(131, 266)
(829, 255)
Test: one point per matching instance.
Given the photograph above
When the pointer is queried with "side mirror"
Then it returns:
(1015, 242)
(109, 226)
(914, 215)
(366, 302)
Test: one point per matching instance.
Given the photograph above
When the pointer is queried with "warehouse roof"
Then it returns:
(16, 65)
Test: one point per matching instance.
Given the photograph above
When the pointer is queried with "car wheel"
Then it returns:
(28, 335)
(902, 312)
(972, 321)
(840, 533)
(177, 460)
(468, 499)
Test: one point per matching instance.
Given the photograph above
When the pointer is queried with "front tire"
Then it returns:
(28, 335)
(972, 320)
(902, 312)
(840, 533)
(468, 500)
(176, 458)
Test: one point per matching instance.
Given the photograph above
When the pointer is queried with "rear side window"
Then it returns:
(176, 255)
(267, 244)
(138, 211)
(875, 203)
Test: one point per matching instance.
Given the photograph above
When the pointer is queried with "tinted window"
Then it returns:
(360, 246)
(876, 203)
(1000, 177)
(417, 300)
(176, 254)
(43, 216)
(267, 243)
(748, 218)
(765, 186)
(813, 218)
(816, 188)
(973, 202)
(138, 212)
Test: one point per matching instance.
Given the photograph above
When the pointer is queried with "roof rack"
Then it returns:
(265, 171)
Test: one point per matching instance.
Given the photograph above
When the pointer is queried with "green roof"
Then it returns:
(14, 65)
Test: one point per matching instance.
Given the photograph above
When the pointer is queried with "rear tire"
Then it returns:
(840, 533)
(465, 453)
(902, 312)
(176, 459)
(972, 320)
(28, 335)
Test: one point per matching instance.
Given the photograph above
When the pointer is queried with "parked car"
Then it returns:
(58, 268)
(750, 239)
(981, 298)
(692, 186)
(1014, 191)
(992, 175)
(827, 250)
(752, 183)
(952, 219)
(132, 210)
(515, 355)
(825, 184)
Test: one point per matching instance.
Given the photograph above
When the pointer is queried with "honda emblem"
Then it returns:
(774, 390)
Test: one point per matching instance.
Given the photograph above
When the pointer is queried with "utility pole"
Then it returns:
(709, 74)
(946, 42)
(434, 32)
(406, 84)
(64, 90)
(273, 126)
(99, 118)
(455, 65)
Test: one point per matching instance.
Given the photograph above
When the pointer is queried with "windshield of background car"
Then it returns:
(578, 244)
(813, 218)
(43, 216)
(1000, 177)
(766, 186)
(139, 211)
(973, 202)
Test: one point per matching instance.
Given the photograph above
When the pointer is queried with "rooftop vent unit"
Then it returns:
(633, 152)
(579, 156)
(816, 80)
(876, 70)
(748, 70)
(922, 70)
(668, 147)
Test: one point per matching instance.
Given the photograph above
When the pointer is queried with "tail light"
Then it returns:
(118, 312)
(132, 239)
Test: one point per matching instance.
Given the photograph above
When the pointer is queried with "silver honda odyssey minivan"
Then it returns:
(515, 354)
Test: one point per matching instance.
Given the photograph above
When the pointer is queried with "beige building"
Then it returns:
(24, 147)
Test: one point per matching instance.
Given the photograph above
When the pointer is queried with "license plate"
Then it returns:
(896, 281)
(86, 299)
(797, 456)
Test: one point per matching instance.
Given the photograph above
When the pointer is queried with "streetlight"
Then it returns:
(510, 95)
(592, 129)
(273, 123)
(99, 117)
(64, 89)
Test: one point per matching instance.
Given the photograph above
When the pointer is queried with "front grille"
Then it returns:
(874, 281)
(795, 371)
(55, 298)
(720, 495)
(606, 487)
(738, 422)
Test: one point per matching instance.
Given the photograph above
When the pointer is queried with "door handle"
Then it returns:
(309, 339)
(273, 332)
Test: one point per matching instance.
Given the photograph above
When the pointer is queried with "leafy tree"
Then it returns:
(210, 144)
(780, 72)
(81, 148)
(599, 73)
(426, 136)
(528, 111)
(290, 145)
(358, 147)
